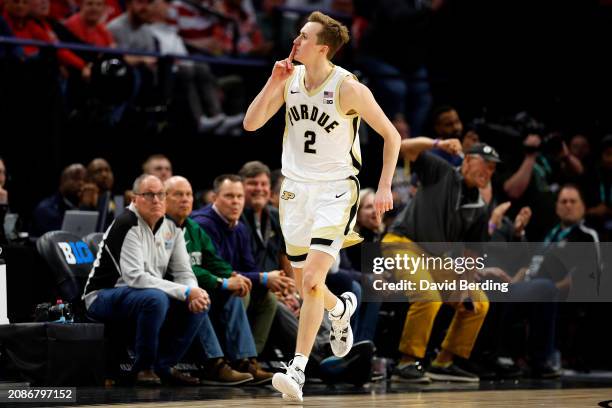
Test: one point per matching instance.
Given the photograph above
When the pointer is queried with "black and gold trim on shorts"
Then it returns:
(296, 258)
(321, 241)
(354, 130)
(353, 212)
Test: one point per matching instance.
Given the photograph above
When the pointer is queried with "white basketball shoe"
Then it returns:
(341, 334)
(290, 383)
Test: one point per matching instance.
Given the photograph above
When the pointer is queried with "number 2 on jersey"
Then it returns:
(311, 140)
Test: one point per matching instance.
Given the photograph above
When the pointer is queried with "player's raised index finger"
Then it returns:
(290, 58)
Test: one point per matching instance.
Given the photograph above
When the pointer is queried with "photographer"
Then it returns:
(546, 165)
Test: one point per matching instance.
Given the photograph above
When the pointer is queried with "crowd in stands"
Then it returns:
(222, 245)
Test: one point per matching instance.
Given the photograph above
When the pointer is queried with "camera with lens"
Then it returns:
(59, 313)
(515, 129)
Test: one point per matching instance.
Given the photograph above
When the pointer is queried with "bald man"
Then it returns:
(226, 287)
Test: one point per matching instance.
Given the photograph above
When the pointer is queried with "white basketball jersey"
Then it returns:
(320, 142)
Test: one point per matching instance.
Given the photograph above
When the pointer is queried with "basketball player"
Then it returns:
(320, 161)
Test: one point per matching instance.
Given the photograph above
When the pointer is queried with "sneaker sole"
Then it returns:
(445, 377)
(289, 398)
(422, 380)
(286, 388)
(349, 334)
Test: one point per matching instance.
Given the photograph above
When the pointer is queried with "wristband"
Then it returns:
(492, 227)
(436, 143)
(225, 284)
(264, 279)
(187, 292)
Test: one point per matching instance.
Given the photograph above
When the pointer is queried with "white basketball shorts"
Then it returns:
(319, 216)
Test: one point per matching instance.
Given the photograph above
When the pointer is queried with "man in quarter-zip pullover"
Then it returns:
(127, 284)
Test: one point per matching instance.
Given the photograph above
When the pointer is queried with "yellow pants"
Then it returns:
(465, 325)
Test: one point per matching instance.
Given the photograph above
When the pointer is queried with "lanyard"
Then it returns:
(552, 236)
(542, 167)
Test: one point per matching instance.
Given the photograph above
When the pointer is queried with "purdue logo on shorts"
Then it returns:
(288, 195)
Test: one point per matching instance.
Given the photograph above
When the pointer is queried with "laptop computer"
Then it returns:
(10, 224)
(80, 223)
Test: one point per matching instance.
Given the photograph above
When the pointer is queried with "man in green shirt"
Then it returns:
(225, 286)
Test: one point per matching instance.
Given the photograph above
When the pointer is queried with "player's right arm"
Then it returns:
(270, 98)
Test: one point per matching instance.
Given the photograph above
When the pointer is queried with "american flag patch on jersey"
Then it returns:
(328, 97)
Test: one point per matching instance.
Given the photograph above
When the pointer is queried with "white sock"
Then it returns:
(337, 310)
(300, 361)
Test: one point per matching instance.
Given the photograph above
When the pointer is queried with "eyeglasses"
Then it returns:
(149, 195)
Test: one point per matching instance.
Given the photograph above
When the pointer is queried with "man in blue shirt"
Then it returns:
(232, 239)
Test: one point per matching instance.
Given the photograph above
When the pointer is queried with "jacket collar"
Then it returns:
(157, 225)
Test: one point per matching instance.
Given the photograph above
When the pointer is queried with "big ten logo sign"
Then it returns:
(76, 253)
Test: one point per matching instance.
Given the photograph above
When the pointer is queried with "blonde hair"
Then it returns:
(334, 34)
(364, 193)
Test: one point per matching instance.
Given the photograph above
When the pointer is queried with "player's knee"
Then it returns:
(310, 284)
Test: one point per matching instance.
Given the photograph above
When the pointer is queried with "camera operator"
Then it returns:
(547, 163)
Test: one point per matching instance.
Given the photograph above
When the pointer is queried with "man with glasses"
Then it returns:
(127, 285)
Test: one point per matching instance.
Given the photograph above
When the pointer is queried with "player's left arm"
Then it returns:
(357, 98)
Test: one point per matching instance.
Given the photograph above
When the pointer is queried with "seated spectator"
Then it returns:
(127, 285)
(194, 79)
(99, 171)
(547, 278)
(158, 165)
(232, 240)
(87, 26)
(132, 31)
(23, 18)
(570, 209)
(266, 234)
(3, 200)
(49, 213)
(263, 219)
(226, 289)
